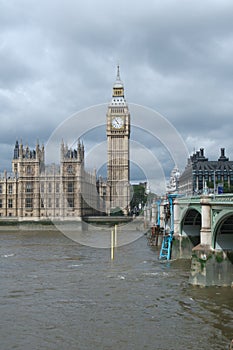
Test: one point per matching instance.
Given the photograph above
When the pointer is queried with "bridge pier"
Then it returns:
(210, 267)
(206, 234)
(176, 218)
(212, 256)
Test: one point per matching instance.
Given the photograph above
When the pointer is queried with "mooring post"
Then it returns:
(115, 236)
(112, 245)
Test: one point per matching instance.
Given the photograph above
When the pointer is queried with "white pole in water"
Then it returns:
(115, 235)
(112, 245)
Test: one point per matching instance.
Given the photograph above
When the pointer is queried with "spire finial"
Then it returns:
(118, 72)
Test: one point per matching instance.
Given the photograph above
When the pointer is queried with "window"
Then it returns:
(70, 169)
(42, 187)
(28, 202)
(0, 203)
(57, 187)
(50, 187)
(10, 187)
(42, 202)
(57, 202)
(28, 187)
(70, 187)
(0, 188)
(29, 169)
(10, 203)
(70, 202)
(50, 203)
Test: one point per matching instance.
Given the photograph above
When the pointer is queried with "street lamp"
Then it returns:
(214, 183)
(177, 176)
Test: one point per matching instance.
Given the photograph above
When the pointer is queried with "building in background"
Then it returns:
(201, 173)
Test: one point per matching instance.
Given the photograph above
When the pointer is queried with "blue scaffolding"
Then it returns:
(165, 251)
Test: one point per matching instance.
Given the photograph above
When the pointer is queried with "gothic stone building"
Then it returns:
(36, 191)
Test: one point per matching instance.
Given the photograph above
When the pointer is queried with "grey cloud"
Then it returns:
(13, 71)
(175, 57)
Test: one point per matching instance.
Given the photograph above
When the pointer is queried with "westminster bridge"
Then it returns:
(202, 229)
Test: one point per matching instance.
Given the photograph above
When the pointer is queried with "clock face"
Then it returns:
(117, 122)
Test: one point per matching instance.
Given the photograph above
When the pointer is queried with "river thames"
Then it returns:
(58, 294)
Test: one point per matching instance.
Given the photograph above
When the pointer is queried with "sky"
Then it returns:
(59, 57)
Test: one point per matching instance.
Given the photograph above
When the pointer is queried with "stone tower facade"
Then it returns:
(27, 166)
(118, 134)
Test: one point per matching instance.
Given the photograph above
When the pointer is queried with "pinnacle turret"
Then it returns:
(118, 97)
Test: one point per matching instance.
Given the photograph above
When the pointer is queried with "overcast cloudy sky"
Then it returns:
(59, 57)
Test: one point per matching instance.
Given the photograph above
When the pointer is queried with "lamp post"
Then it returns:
(177, 175)
(214, 183)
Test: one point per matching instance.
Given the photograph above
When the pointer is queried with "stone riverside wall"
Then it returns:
(182, 247)
(211, 268)
(14, 226)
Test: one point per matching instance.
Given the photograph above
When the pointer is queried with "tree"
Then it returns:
(116, 212)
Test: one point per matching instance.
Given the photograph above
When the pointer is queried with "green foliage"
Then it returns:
(219, 257)
(201, 260)
(139, 195)
(116, 212)
(226, 188)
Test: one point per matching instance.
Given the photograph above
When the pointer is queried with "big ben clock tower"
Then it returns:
(118, 133)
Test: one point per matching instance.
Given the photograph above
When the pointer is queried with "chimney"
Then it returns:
(202, 152)
(223, 157)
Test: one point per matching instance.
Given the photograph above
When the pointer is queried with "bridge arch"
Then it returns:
(223, 231)
(191, 224)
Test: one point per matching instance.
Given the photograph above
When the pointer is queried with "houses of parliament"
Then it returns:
(36, 191)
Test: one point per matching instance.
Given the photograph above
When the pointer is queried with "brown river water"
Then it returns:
(58, 294)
